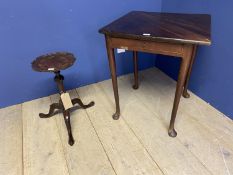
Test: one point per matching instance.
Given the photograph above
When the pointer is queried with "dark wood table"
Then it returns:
(170, 34)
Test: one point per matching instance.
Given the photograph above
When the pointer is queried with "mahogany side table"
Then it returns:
(55, 63)
(170, 34)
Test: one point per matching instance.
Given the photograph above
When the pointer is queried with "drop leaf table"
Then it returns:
(170, 34)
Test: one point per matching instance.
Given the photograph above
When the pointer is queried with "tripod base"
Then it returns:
(66, 114)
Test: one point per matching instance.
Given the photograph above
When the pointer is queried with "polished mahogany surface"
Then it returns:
(53, 62)
(169, 27)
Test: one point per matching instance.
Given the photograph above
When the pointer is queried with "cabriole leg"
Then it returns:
(80, 103)
(185, 92)
(179, 87)
(53, 107)
(66, 115)
(112, 66)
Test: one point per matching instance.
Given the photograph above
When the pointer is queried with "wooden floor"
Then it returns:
(137, 144)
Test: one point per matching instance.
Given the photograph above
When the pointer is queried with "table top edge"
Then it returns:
(156, 39)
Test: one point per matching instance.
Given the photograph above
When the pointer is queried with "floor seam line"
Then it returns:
(177, 138)
(136, 136)
(194, 119)
(98, 138)
(143, 146)
(62, 145)
(156, 115)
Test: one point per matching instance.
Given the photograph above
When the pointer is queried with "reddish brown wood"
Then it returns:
(112, 66)
(166, 27)
(185, 61)
(135, 61)
(53, 62)
(185, 92)
(170, 34)
(164, 48)
(58, 61)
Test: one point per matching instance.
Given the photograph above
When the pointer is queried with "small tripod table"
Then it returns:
(54, 63)
(170, 34)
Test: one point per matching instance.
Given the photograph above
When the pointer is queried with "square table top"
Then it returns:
(167, 27)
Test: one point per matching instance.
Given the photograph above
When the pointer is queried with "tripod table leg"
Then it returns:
(52, 108)
(66, 115)
(80, 103)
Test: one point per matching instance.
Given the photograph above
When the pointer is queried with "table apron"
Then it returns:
(172, 49)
